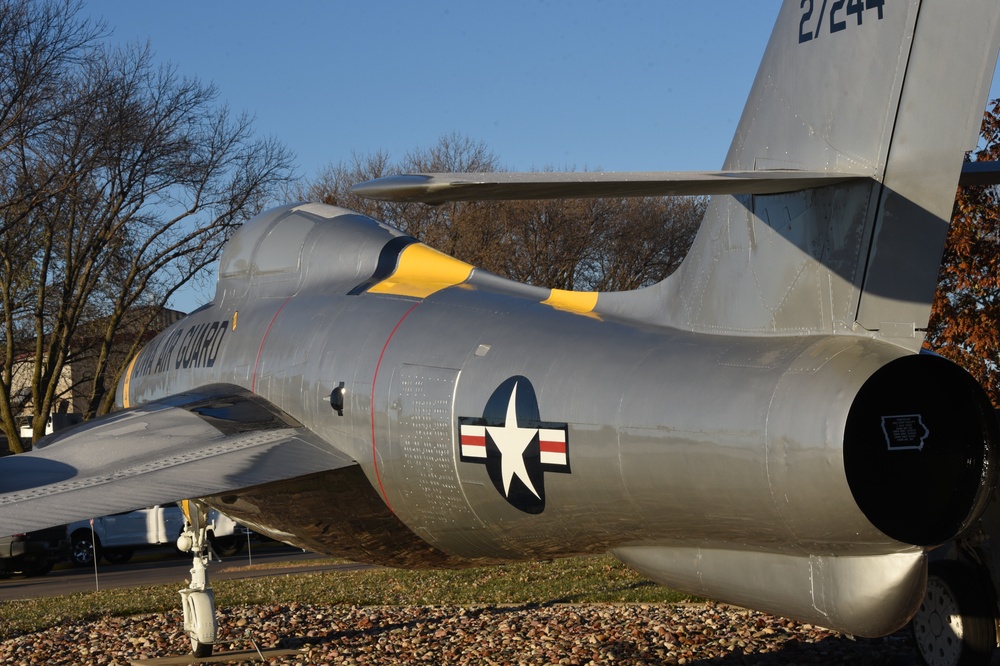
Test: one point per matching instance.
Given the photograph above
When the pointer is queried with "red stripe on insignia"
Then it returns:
(552, 447)
(473, 441)
(552, 441)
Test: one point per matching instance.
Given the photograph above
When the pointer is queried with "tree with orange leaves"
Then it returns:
(965, 319)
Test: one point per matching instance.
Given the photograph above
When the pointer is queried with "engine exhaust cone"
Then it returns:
(920, 449)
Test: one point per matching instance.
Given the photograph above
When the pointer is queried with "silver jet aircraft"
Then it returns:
(757, 428)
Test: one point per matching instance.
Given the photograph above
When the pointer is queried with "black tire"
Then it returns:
(118, 555)
(956, 623)
(82, 549)
(226, 546)
(201, 650)
(39, 568)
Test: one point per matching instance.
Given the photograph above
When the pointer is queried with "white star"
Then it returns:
(512, 441)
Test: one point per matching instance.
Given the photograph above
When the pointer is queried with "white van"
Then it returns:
(118, 536)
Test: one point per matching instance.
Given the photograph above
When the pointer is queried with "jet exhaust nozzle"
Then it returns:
(920, 449)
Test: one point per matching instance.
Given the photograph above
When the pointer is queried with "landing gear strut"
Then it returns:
(197, 598)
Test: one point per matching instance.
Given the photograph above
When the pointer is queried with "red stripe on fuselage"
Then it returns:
(378, 474)
(260, 349)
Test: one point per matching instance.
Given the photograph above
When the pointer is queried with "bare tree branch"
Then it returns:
(121, 182)
(593, 244)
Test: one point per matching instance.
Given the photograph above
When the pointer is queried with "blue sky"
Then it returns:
(616, 85)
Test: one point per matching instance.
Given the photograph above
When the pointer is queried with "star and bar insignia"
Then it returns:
(516, 446)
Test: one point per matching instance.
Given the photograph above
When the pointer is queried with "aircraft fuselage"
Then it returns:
(495, 426)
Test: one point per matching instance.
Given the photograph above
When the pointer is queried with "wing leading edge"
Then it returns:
(438, 188)
(207, 441)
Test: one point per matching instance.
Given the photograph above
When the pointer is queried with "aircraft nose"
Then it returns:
(920, 450)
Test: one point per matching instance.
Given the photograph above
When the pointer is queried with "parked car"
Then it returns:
(118, 536)
(34, 553)
(54, 423)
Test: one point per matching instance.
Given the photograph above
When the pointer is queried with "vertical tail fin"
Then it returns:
(891, 90)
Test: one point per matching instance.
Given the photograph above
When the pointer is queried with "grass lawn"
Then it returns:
(599, 579)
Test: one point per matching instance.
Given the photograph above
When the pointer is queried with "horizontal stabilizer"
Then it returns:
(438, 188)
(211, 440)
(980, 173)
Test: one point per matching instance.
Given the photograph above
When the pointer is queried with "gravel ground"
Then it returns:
(556, 634)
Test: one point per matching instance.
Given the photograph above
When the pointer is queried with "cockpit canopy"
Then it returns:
(300, 246)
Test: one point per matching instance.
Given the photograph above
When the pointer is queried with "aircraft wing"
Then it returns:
(206, 441)
(437, 188)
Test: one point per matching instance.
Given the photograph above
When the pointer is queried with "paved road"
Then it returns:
(162, 568)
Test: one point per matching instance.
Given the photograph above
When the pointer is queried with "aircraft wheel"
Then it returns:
(83, 549)
(200, 650)
(956, 624)
(199, 620)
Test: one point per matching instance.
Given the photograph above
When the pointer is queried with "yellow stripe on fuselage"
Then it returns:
(573, 301)
(421, 271)
(126, 401)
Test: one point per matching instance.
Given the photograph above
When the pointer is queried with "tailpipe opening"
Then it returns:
(920, 449)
